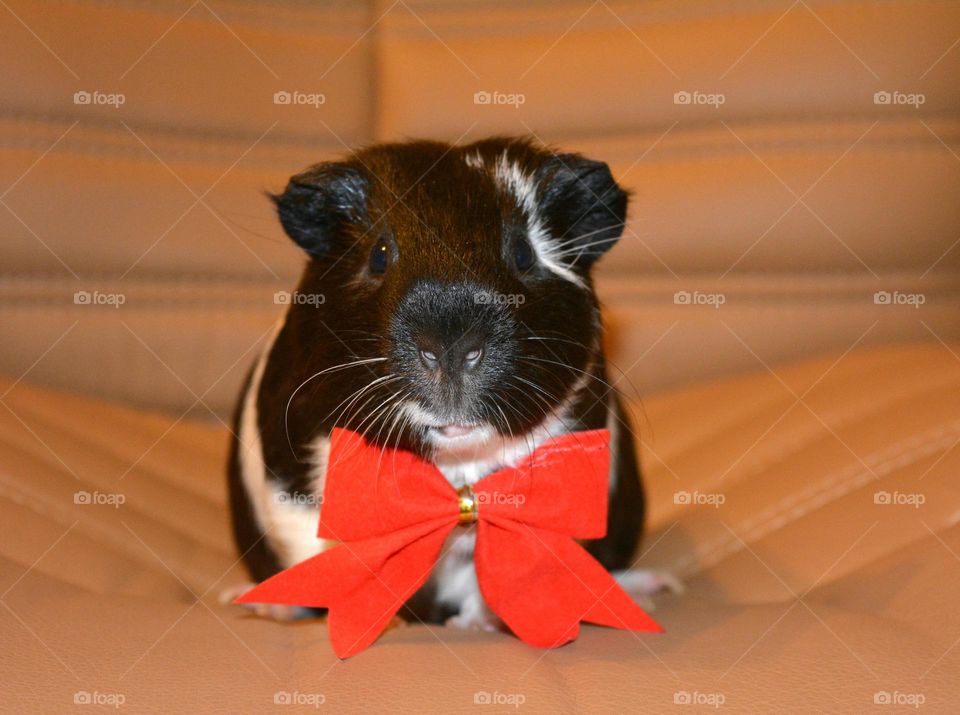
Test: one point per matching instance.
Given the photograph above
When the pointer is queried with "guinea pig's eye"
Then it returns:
(380, 256)
(523, 256)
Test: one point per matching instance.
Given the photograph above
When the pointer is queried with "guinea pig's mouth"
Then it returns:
(459, 434)
(447, 433)
(455, 430)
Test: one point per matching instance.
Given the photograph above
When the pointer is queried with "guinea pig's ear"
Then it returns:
(318, 202)
(584, 207)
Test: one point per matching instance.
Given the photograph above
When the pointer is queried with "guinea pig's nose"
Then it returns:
(461, 355)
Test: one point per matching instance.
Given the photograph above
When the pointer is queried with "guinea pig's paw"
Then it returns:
(273, 611)
(396, 622)
(279, 611)
(643, 583)
(231, 593)
(476, 621)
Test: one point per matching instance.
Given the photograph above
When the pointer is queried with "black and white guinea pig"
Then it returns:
(447, 308)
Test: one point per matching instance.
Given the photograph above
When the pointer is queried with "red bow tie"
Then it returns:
(392, 512)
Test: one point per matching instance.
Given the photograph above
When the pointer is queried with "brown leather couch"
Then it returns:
(784, 306)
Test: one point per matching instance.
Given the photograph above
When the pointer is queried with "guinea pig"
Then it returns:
(447, 307)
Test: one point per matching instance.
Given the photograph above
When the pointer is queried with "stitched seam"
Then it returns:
(12, 490)
(783, 448)
(88, 444)
(284, 16)
(835, 485)
(839, 417)
(676, 14)
(273, 154)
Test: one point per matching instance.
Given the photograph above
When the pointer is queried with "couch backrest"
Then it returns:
(787, 163)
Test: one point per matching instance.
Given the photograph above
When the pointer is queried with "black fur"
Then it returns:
(583, 200)
(318, 203)
(261, 561)
(453, 234)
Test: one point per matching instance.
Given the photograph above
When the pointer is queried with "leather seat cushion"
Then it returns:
(804, 590)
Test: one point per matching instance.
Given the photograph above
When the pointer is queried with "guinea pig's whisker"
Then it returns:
(357, 393)
(603, 394)
(579, 238)
(571, 368)
(499, 420)
(543, 410)
(521, 404)
(561, 242)
(515, 406)
(506, 423)
(536, 411)
(373, 414)
(368, 391)
(578, 249)
(559, 340)
(394, 420)
(549, 378)
(564, 339)
(576, 243)
(334, 368)
(608, 361)
(352, 398)
(387, 418)
(536, 387)
(527, 438)
(389, 415)
(397, 419)
(355, 396)
(360, 413)
(404, 423)
(402, 420)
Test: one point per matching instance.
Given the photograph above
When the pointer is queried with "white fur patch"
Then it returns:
(613, 427)
(461, 469)
(290, 527)
(511, 177)
(456, 580)
(640, 584)
(455, 576)
(474, 161)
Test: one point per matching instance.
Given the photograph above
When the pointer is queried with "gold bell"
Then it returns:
(467, 501)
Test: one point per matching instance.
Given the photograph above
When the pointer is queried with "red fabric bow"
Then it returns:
(392, 511)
